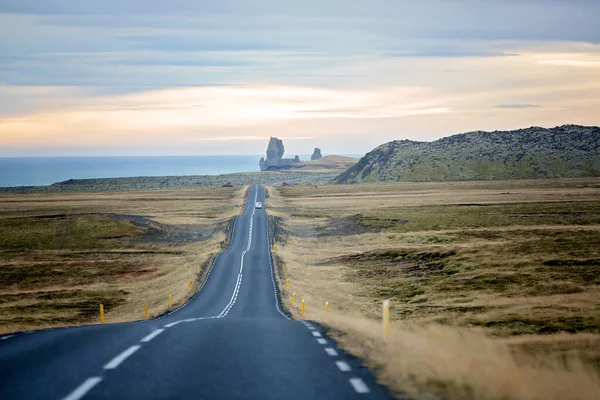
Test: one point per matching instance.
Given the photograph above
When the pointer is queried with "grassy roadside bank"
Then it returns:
(494, 285)
(62, 254)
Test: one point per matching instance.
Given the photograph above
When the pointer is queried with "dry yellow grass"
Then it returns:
(62, 254)
(328, 163)
(468, 267)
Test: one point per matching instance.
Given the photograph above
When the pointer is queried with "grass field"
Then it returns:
(63, 254)
(327, 163)
(494, 286)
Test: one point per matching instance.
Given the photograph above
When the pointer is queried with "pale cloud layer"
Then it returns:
(193, 77)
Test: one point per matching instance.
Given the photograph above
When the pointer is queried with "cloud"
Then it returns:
(205, 113)
(571, 63)
(451, 52)
(249, 138)
(517, 106)
(184, 72)
(197, 43)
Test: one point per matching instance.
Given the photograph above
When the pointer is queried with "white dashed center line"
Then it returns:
(6, 337)
(85, 387)
(343, 366)
(359, 386)
(331, 351)
(115, 362)
(152, 335)
(316, 334)
(173, 324)
(321, 341)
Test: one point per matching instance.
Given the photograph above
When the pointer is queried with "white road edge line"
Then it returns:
(207, 275)
(152, 335)
(359, 386)
(115, 362)
(316, 334)
(343, 366)
(331, 351)
(275, 292)
(238, 284)
(321, 341)
(6, 337)
(82, 389)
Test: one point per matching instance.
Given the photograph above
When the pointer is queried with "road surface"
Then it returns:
(231, 341)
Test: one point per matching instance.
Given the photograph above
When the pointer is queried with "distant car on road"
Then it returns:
(258, 204)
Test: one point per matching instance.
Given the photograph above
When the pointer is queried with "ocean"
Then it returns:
(40, 171)
(37, 171)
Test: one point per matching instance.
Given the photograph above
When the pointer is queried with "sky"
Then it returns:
(158, 77)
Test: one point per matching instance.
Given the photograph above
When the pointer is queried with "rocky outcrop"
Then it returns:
(567, 151)
(275, 160)
(316, 155)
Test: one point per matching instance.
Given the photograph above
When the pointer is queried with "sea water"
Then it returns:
(36, 171)
(40, 171)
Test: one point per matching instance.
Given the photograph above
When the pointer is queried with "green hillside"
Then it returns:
(561, 152)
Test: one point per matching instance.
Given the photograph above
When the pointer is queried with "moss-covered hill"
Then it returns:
(561, 152)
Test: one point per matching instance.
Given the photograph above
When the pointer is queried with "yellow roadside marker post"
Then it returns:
(283, 267)
(101, 313)
(170, 301)
(190, 284)
(146, 311)
(326, 306)
(303, 309)
(386, 317)
(198, 270)
(293, 298)
(287, 283)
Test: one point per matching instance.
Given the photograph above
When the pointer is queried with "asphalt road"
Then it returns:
(231, 341)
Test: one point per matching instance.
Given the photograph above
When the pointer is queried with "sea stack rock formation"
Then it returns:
(316, 154)
(275, 160)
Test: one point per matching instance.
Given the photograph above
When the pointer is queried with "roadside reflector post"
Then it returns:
(198, 270)
(386, 317)
(303, 309)
(101, 313)
(283, 267)
(287, 283)
(146, 311)
(326, 306)
(170, 301)
(190, 284)
(293, 298)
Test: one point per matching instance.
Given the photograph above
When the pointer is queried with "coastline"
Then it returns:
(270, 178)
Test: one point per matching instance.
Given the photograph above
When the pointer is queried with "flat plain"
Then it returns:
(494, 286)
(63, 254)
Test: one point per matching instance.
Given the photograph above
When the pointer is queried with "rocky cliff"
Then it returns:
(275, 160)
(561, 152)
(316, 155)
